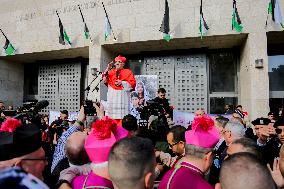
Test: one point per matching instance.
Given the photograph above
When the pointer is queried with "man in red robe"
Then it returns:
(120, 82)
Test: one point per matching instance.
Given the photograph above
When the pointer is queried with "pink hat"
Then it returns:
(203, 134)
(100, 140)
(121, 133)
(120, 58)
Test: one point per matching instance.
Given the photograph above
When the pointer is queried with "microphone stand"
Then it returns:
(89, 86)
(97, 86)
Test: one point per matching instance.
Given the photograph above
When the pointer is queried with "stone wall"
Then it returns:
(32, 26)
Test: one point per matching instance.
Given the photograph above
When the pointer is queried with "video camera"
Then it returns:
(60, 126)
(29, 112)
(152, 108)
(89, 108)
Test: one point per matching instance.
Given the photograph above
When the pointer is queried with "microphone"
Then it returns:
(112, 65)
(95, 72)
(40, 105)
(117, 74)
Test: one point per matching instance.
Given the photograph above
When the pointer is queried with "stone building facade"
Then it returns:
(32, 27)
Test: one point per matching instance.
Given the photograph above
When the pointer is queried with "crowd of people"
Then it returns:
(220, 152)
(125, 146)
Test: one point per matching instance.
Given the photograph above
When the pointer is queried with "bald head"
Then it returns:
(75, 150)
(244, 170)
(243, 145)
(131, 163)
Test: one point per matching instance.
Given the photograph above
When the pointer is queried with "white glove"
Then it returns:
(70, 173)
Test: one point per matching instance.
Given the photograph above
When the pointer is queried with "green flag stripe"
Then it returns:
(86, 31)
(167, 37)
(10, 49)
(270, 8)
(106, 35)
(235, 23)
(66, 37)
(203, 28)
(87, 35)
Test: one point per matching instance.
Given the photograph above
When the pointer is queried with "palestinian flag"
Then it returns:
(107, 25)
(9, 49)
(63, 38)
(107, 28)
(86, 29)
(165, 26)
(275, 10)
(236, 21)
(203, 27)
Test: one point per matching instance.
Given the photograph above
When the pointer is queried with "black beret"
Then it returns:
(9, 112)
(279, 122)
(261, 121)
(271, 113)
(24, 140)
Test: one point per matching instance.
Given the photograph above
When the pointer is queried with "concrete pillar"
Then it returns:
(254, 82)
(11, 83)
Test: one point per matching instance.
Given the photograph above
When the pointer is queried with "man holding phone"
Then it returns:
(264, 129)
(270, 138)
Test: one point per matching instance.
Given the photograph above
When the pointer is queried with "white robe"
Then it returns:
(118, 101)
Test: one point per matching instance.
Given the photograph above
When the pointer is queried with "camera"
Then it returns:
(60, 126)
(29, 112)
(89, 109)
(152, 108)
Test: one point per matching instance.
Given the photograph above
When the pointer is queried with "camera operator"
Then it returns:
(161, 99)
(64, 115)
(59, 126)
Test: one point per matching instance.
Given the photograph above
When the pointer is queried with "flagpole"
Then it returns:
(84, 20)
(81, 13)
(109, 22)
(201, 7)
(3, 34)
(57, 14)
(201, 15)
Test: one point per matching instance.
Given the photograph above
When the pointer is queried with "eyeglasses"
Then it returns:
(172, 145)
(278, 131)
(224, 131)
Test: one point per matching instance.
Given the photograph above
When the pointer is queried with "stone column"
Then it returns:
(11, 83)
(254, 82)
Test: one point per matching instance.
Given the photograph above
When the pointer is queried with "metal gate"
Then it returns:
(60, 85)
(184, 78)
